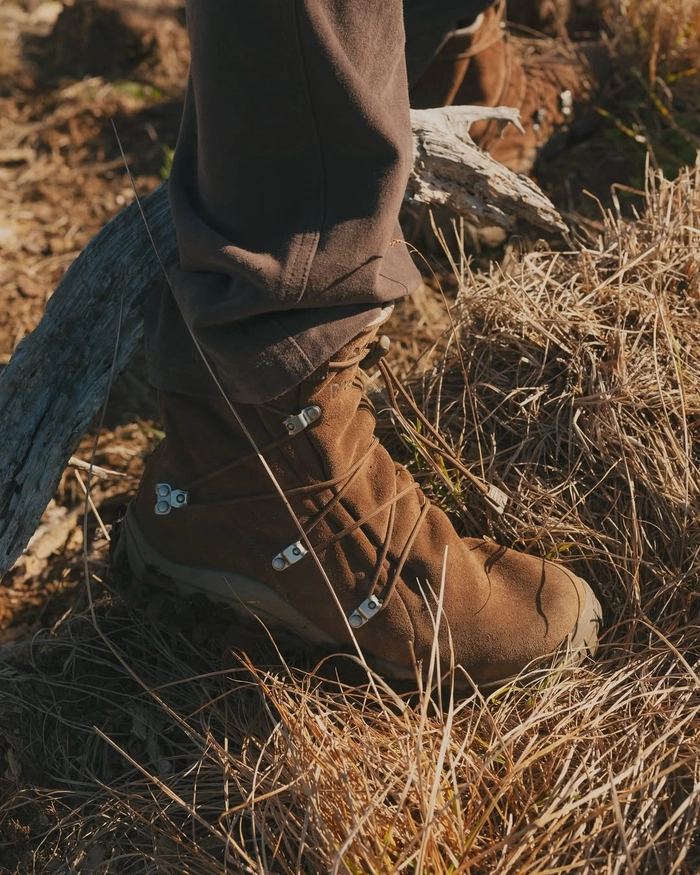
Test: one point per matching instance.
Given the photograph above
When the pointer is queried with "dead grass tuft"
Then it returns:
(664, 38)
(657, 106)
(583, 399)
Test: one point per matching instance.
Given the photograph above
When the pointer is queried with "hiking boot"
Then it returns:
(481, 65)
(207, 519)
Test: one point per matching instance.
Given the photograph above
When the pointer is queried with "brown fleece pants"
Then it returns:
(288, 176)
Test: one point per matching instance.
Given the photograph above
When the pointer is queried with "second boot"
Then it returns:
(481, 65)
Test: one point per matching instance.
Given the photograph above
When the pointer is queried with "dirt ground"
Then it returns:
(68, 73)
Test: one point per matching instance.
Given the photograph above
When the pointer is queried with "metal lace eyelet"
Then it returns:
(369, 608)
(168, 498)
(376, 353)
(302, 420)
(566, 101)
(293, 554)
(496, 499)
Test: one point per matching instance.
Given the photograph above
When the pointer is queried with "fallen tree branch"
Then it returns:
(59, 375)
(449, 170)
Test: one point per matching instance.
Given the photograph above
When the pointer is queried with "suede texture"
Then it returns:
(430, 23)
(443, 79)
(502, 609)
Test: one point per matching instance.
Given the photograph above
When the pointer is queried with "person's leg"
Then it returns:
(288, 177)
(286, 190)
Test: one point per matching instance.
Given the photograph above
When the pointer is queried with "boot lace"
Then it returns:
(431, 445)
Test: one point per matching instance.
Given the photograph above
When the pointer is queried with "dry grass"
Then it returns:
(658, 104)
(583, 395)
(664, 38)
(583, 400)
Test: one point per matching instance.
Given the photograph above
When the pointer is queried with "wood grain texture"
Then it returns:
(449, 170)
(59, 375)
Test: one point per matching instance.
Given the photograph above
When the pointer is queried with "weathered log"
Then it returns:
(449, 170)
(59, 375)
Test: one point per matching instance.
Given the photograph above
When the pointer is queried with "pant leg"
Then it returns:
(288, 176)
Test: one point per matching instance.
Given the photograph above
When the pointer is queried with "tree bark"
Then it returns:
(60, 374)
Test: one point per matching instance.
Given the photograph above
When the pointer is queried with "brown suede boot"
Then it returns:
(207, 519)
(481, 65)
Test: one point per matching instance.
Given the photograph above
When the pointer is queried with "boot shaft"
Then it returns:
(212, 447)
(441, 83)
